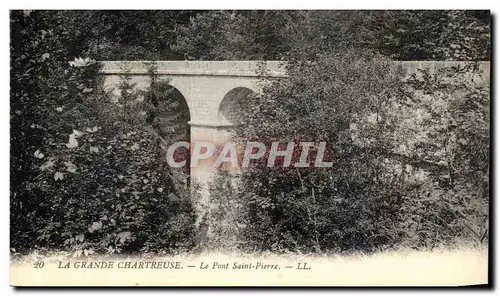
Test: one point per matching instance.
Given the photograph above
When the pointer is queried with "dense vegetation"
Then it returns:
(87, 169)
(410, 158)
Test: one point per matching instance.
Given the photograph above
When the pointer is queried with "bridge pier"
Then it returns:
(203, 175)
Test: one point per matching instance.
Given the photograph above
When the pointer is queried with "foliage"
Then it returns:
(224, 214)
(86, 170)
(274, 35)
(131, 34)
(268, 34)
(235, 35)
(452, 136)
(375, 196)
(320, 208)
(457, 35)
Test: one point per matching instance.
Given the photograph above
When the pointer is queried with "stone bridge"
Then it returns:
(207, 86)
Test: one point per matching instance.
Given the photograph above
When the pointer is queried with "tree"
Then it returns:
(450, 131)
(337, 208)
(85, 172)
(274, 35)
(457, 35)
(410, 157)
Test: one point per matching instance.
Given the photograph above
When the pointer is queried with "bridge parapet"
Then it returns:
(197, 68)
(251, 69)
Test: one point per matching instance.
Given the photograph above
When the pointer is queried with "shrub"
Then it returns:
(375, 196)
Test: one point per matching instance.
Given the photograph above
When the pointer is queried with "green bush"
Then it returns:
(376, 196)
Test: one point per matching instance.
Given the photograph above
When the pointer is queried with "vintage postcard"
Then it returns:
(249, 147)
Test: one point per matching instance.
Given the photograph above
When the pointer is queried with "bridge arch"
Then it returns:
(232, 105)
